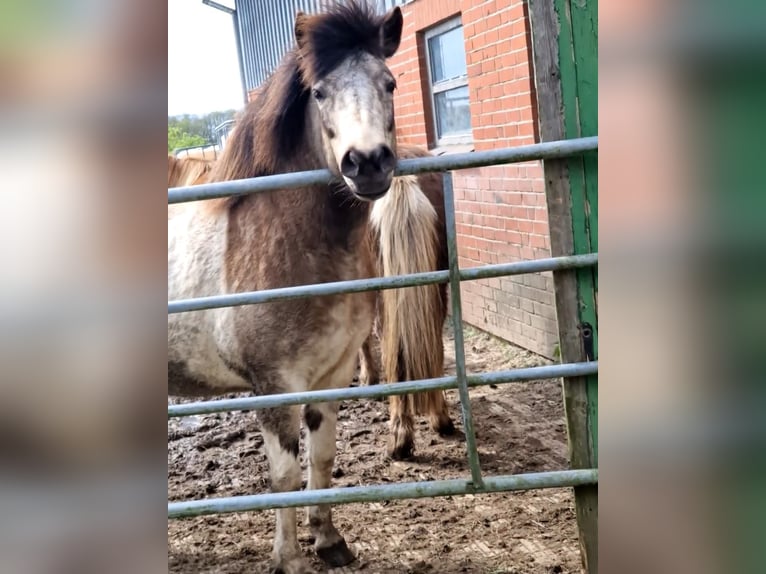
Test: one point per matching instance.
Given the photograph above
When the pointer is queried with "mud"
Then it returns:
(520, 428)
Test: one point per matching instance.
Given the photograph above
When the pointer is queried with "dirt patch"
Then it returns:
(520, 428)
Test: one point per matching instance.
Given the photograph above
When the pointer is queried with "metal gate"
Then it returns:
(476, 483)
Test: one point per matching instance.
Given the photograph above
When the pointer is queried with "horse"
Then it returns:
(183, 171)
(328, 105)
(409, 236)
(411, 341)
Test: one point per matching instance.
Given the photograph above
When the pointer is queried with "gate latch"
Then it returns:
(586, 332)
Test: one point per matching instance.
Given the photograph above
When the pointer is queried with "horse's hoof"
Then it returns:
(446, 429)
(336, 555)
(402, 451)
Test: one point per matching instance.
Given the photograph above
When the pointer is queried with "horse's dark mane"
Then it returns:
(332, 36)
(270, 132)
(271, 128)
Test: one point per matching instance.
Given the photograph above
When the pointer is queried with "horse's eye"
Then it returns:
(318, 95)
(391, 86)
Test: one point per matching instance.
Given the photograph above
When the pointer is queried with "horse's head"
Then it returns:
(342, 60)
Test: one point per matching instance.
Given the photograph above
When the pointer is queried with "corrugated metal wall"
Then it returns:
(266, 30)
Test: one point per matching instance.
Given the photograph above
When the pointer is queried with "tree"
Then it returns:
(200, 130)
(178, 138)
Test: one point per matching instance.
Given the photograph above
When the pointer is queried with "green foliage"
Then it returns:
(179, 139)
(190, 130)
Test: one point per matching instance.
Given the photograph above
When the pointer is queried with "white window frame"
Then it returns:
(461, 138)
(387, 5)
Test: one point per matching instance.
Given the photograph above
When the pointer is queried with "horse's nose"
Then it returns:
(379, 161)
(383, 158)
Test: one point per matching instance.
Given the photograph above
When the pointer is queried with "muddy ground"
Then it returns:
(520, 428)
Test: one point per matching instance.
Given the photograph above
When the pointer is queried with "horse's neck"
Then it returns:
(324, 218)
(342, 215)
(321, 217)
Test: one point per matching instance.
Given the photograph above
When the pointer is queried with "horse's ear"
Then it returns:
(391, 32)
(301, 18)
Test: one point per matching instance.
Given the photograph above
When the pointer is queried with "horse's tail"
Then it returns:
(406, 226)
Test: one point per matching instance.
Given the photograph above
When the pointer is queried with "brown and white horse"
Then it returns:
(329, 105)
(414, 240)
(409, 321)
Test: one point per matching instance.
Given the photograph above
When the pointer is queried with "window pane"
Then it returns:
(453, 114)
(447, 55)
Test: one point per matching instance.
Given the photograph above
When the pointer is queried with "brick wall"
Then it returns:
(501, 213)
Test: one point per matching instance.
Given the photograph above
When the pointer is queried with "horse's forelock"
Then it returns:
(275, 120)
(329, 38)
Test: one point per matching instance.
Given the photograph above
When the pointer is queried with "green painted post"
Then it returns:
(565, 49)
(579, 69)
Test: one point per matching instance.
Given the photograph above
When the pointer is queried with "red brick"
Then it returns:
(524, 225)
(537, 241)
(518, 43)
(526, 129)
(533, 199)
(540, 214)
(521, 212)
(505, 75)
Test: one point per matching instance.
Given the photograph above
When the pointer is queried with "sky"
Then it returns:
(203, 73)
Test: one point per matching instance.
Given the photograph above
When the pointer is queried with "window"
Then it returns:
(445, 54)
(386, 5)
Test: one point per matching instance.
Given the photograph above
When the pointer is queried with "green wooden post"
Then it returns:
(565, 50)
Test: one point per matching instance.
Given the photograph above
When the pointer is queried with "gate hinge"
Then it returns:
(586, 332)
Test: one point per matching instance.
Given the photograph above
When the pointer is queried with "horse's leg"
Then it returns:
(438, 414)
(320, 421)
(368, 367)
(401, 440)
(281, 436)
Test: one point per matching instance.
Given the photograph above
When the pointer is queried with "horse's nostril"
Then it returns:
(349, 165)
(383, 158)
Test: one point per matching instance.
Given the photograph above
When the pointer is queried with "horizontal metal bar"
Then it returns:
(383, 390)
(552, 479)
(246, 186)
(377, 283)
(546, 150)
